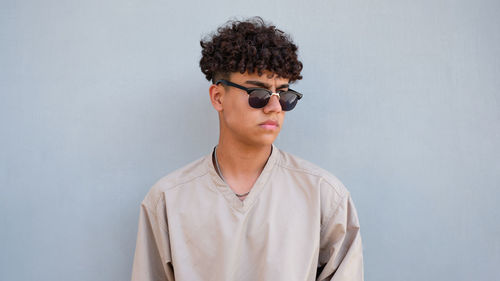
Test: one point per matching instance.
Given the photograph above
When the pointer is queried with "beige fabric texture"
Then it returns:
(298, 223)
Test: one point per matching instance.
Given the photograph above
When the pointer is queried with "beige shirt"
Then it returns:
(297, 223)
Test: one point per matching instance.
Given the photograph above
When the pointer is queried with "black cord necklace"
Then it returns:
(220, 173)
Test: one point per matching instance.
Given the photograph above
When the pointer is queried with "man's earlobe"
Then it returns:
(216, 96)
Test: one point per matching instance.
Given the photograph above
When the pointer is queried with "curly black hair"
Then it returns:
(250, 45)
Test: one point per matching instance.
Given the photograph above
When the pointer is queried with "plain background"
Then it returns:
(99, 99)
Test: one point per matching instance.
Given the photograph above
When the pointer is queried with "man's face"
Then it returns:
(243, 123)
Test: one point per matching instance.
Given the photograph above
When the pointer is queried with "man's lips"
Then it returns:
(269, 124)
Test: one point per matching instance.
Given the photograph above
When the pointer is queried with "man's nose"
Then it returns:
(273, 105)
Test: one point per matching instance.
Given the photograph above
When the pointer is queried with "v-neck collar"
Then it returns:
(228, 193)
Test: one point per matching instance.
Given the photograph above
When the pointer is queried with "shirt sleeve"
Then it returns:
(152, 260)
(341, 255)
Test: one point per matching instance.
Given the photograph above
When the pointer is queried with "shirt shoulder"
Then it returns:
(176, 179)
(295, 164)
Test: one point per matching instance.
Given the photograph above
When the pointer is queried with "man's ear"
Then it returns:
(216, 96)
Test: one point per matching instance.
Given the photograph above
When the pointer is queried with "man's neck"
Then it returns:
(241, 164)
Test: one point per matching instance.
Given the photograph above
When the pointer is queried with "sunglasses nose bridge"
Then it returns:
(273, 105)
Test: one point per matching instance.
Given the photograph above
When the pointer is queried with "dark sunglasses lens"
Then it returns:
(288, 100)
(258, 98)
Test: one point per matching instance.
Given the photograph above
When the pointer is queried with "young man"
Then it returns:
(249, 211)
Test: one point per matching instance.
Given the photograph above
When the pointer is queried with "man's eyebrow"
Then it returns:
(265, 85)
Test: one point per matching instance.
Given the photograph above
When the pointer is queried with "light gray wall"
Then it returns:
(99, 99)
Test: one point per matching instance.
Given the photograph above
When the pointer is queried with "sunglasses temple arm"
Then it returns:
(233, 85)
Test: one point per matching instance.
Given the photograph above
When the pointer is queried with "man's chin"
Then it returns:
(267, 140)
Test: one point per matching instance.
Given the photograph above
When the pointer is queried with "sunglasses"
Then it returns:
(259, 97)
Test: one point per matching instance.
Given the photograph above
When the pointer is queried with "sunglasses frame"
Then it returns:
(250, 90)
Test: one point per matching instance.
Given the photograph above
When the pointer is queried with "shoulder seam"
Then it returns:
(332, 186)
(299, 170)
(177, 185)
(313, 174)
(335, 210)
